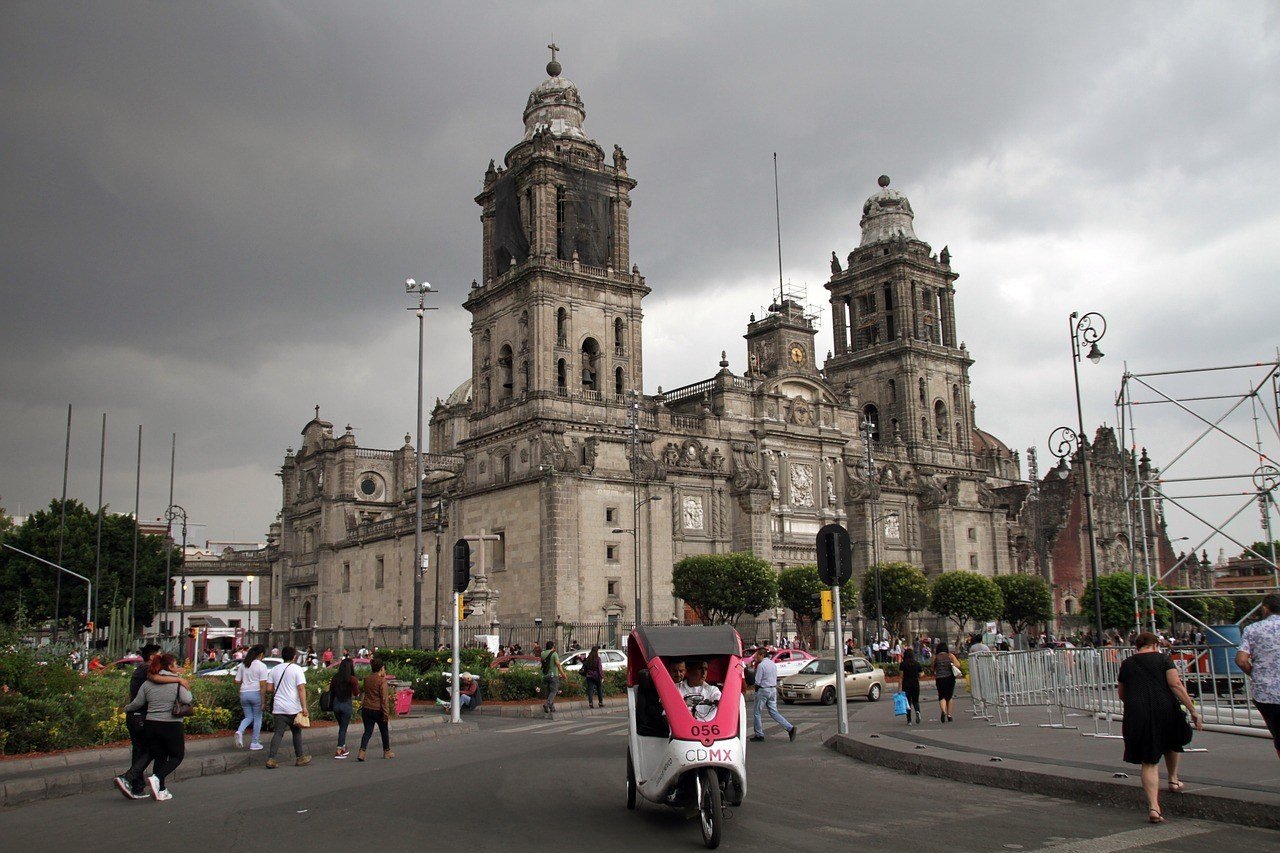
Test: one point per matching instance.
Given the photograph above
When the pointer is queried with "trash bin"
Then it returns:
(404, 701)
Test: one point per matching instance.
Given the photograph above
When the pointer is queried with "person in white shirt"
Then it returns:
(289, 681)
(251, 675)
(701, 697)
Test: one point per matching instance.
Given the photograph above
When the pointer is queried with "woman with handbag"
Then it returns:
(911, 684)
(342, 693)
(166, 705)
(1154, 726)
(375, 708)
(946, 669)
(593, 674)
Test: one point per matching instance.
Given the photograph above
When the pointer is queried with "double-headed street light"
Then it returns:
(419, 556)
(175, 512)
(1064, 441)
(635, 550)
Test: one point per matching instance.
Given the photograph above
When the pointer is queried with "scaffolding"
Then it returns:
(1226, 472)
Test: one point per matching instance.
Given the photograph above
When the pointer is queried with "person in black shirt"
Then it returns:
(140, 756)
(911, 683)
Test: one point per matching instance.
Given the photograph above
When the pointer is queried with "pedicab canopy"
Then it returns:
(686, 641)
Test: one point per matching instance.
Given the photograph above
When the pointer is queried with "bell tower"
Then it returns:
(893, 320)
(557, 316)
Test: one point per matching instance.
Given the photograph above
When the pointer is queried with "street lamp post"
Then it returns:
(442, 509)
(419, 557)
(1064, 441)
(635, 536)
(174, 511)
(868, 431)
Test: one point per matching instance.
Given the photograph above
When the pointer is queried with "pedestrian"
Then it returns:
(275, 651)
(252, 678)
(766, 681)
(1259, 657)
(288, 706)
(163, 731)
(1154, 726)
(977, 645)
(593, 673)
(343, 689)
(552, 673)
(911, 683)
(945, 666)
(131, 782)
(374, 709)
(327, 658)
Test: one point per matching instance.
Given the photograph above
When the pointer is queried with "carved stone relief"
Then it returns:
(801, 485)
(692, 516)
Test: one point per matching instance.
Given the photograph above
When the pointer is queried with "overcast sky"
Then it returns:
(208, 209)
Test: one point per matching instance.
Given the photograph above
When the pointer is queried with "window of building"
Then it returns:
(871, 335)
(613, 589)
(973, 561)
(506, 382)
(233, 593)
(562, 243)
(1069, 606)
(618, 336)
(611, 553)
(924, 393)
(867, 303)
(872, 414)
(617, 382)
(562, 328)
(893, 391)
(379, 572)
(561, 378)
(346, 577)
(973, 534)
(888, 297)
(610, 514)
(941, 425)
(590, 364)
(498, 551)
(200, 593)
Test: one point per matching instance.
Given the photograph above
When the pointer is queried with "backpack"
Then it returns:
(547, 668)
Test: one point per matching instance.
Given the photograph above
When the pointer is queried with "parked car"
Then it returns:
(816, 681)
(790, 661)
(230, 668)
(612, 659)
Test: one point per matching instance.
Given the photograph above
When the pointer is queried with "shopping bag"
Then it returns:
(900, 705)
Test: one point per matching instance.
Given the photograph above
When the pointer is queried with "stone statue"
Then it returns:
(835, 265)
(945, 256)
(717, 459)
(831, 491)
(671, 454)
(773, 484)
(619, 159)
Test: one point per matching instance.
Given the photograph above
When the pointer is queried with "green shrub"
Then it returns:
(425, 660)
(206, 720)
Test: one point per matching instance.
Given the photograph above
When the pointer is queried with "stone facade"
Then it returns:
(551, 443)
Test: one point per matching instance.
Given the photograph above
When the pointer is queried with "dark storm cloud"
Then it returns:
(208, 209)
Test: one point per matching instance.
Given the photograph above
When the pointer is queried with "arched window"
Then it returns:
(924, 428)
(893, 391)
(955, 397)
(924, 396)
(893, 425)
(871, 414)
(942, 428)
(959, 433)
(562, 328)
(502, 468)
(306, 615)
(590, 364)
(617, 382)
(561, 378)
(506, 386)
(618, 336)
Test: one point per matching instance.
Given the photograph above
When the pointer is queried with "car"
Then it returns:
(230, 668)
(816, 681)
(518, 661)
(612, 659)
(126, 662)
(790, 661)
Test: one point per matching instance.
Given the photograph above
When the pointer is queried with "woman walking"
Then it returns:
(911, 683)
(344, 688)
(945, 679)
(252, 678)
(162, 730)
(1154, 726)
(593, 673)
(374, 708)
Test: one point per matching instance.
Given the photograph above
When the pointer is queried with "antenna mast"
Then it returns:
(777, 213)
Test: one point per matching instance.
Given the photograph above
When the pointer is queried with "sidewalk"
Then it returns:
(26, 780)
(1236, 780)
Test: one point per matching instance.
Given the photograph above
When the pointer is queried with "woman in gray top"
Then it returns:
(162, 731)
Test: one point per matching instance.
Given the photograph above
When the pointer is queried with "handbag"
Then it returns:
(180, 708)
(956, 672)
(901, 707)
(326, 699)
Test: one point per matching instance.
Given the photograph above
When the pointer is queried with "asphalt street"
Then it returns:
(559, 785)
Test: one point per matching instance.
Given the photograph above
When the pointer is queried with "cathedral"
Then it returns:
(584, 482)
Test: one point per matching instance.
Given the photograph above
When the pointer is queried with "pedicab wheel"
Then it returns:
(829, 696)
(874, 694)
(710, 808)
(631, 783)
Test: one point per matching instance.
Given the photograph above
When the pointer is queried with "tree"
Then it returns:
(1118, 606)
(903, 590)
(799, 588)
(6, 522)
(1211, 610)
(1027, 600)
(963, 596)
(28, 586)
(722, 587)
(1261, 549)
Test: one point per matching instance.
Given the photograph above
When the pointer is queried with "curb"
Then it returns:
(209, 757)
(532, 711)
(1067, 782)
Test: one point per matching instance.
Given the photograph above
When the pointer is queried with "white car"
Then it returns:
(612, 660)
(233, 666)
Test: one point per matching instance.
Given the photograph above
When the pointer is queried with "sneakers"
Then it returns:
(341, 753)
(360, 755)
(239, 739)
(791, 733)
(388, 754)
(162, 796)
(442, 703)
(917, 717)
(272, 764)
(756, 738)
(125, 788)
(255, 746)
(153, 782)
(303, 760)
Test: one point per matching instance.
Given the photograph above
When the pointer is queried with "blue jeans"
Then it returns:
(252, 705)
(767, 699)
(596, 686)
(342, 711)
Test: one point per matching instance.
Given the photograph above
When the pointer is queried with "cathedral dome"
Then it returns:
(461, 394)
(555, 106)
(887, 215)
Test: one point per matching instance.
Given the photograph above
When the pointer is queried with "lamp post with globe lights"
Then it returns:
(419, 556)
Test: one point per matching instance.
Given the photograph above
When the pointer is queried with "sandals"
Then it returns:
(1154, 816)
(1176, 786)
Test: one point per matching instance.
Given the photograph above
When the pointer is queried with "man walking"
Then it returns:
(289, 681)
(766, 680)
(1259, 656)
(552, 672)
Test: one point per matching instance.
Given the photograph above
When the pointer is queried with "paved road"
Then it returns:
(558, 785)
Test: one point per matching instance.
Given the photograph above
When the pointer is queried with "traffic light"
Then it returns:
(461, 565)
(464, 609)
(828, 606)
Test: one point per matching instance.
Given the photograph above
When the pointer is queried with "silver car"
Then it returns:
(816, 682)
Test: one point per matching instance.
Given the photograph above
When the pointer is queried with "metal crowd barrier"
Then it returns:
(1082, 682)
